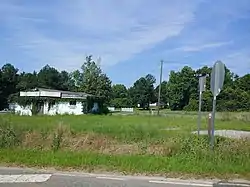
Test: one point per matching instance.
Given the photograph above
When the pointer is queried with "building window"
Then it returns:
(72, 103)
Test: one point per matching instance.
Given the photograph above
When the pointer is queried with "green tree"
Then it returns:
(164, 93)
(233, 100)
(27, 81)
(76, 77)
(243, 83)
(119, 91)
(8, 83)
(151, 80)
(181, 91)
(142, 91)
(235, 96)
(66, 82)
(181, 86)
(49, 77)
(194, 95)
(229, 78)
(93, 81)
(120, 96)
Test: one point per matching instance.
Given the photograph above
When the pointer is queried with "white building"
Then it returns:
(64, 102)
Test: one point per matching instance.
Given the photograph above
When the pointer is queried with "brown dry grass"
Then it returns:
(92, 142)
(167, 149)
(36, 140)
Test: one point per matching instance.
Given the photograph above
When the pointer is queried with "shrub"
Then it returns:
(225, 116)
(9, 137)
(57, 138)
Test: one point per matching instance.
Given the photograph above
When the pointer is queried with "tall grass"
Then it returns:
(124, 143)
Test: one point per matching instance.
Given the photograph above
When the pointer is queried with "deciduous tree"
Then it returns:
(92, 80)
(142, 91)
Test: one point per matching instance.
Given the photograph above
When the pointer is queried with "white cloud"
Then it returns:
(113, 30)
(63, 34)
(238, 61)
(196, 48)
(230, 10)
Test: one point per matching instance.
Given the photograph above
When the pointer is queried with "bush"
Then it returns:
(225, 116)
(104, 110)
(194, 144)
(57, 138)
(192, 106)
(9, 137)
(245, 117)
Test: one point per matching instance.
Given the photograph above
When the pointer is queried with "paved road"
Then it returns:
(16, 177)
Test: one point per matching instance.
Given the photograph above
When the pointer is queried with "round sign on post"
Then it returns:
(216, 84)
(217, 78)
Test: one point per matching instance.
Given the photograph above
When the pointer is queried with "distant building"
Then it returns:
(52, 102)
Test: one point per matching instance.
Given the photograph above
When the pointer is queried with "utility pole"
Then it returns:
(159, 93)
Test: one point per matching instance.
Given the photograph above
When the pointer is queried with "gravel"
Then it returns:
(228, 133)
(172, 129)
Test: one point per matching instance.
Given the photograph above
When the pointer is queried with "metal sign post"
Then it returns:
(216, 84)
(202, 88)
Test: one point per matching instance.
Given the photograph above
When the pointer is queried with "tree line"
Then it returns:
(180, 92)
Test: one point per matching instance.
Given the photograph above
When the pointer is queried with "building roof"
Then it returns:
(62, 91)
(44, 92)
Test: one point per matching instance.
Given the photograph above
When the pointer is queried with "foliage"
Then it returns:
(143, 92)
(120, 96)
(121, 102)
(8, 83)
(180, 92)
(57, 138)
(119, 91)
(27, 81)
(183, 91)
(9, 136)
(102, 108)
(92, 80)
(95, 142)
(35, 108)
(180, 87)
(164, 93)
(49, 77)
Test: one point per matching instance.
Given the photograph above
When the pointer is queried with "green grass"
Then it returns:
(213, 164)
(130, 144)
(121, 123)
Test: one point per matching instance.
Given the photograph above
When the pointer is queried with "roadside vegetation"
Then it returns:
(127, 144)
(138, 143)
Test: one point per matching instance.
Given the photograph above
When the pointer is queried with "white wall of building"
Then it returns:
(23, 111)
(63, 108)
(58, 108)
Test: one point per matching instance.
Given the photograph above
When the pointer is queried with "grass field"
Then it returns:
(128, 144)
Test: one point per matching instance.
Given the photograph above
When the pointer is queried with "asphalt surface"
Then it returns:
(16, 177)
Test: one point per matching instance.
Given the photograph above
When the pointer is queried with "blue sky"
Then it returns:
(130, 36)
